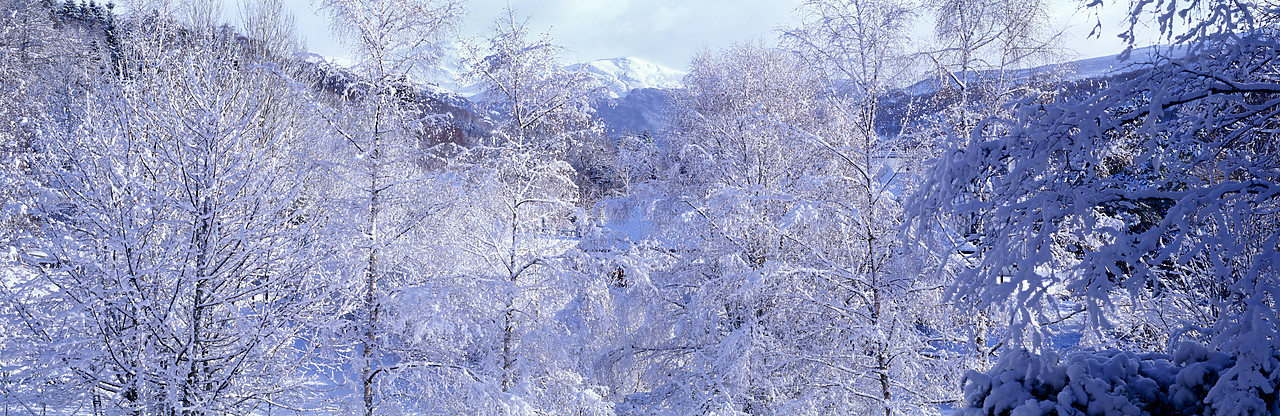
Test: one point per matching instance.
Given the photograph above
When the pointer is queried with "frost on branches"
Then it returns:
(169, 249)
(1159, 191)
(769, 276)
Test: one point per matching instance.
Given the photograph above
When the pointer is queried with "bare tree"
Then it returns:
(270, 24)
(981, 46)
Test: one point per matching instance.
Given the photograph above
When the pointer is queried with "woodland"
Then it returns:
(201, 218)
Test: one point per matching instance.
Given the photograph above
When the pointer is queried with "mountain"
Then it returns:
(1073, 71)
(637, 93)
(619, 75)
(641, 110)
(458, 120)
(625, 74)
(1104, 66)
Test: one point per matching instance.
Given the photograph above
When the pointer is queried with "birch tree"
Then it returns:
(981, 48)
(523, 208)
(375, 126)
(173, 238)
(878, 149)
(272, 26)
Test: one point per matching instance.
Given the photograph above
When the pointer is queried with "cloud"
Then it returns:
(669, 32)
(669, 18)
(664, 31)
(585, 11)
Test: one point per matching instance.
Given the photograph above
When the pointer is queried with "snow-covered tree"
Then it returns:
(545, 109)
(382, 194)
(981, 46)
(770, 275)
(394, 38)
(879, 146)
(745, 182)
(29, 51)
(42, 73)
(1158, 189)
(982, 53)
(522, 214)
(172, 244)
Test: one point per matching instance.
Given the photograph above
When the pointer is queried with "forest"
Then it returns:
(201, 218)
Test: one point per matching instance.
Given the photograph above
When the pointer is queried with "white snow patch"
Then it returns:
(623, 74)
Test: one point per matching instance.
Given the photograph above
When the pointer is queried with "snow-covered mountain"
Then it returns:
(638, 92)
(1073, 71)
(619, 75)
(623, 74)
(1103, 66)
(636, 95)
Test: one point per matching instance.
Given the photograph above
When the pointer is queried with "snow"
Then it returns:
(619, 75)
(1114, 64)
(1079, 70)
(623, 74)
(1101, 383)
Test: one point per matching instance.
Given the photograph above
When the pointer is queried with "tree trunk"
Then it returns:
(508, 338)
(508, 323)
(372, 306)
(196, 349)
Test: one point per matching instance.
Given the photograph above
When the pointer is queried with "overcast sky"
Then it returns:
(669, 32)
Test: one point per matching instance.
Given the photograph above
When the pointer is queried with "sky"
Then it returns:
(670, 32)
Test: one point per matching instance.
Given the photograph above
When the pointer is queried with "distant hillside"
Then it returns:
(1078, 70)
(638, 92)
(625, 74)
